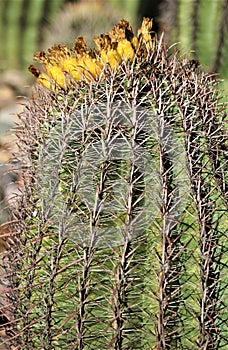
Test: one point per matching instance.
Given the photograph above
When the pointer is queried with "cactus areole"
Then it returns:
(124, 199)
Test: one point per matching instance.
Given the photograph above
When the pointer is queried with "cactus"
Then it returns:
(122, 220)
(21, 29)
(200, 26)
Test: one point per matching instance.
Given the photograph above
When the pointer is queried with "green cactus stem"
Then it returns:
(202, 27)
(21, 29)
(122, 221)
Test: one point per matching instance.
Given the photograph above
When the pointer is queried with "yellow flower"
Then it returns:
(52, 67)
(110, 57)
(125, 50)
(144, 32)
(84, 64)
(135, 42)
(70, 65)
(92, 67)
(107, 51)
(56, 73)
(42, 78)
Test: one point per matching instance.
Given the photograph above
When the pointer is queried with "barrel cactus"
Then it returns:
(122, 221)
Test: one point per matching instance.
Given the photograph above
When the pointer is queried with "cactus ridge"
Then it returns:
(21, 29)
(200, 26)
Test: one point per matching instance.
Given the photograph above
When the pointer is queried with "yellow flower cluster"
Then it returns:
(61, 64)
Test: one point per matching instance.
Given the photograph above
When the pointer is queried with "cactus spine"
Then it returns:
(123, 218)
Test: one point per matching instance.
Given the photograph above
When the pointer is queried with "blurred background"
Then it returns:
(27, 26)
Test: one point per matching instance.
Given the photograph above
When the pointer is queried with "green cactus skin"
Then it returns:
(202, 27)
(123, 247)
(21, 29)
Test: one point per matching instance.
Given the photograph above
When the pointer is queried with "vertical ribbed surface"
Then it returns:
(201, 26)
(122, 223)
(21, 29)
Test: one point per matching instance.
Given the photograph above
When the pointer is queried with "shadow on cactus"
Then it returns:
(123, 215)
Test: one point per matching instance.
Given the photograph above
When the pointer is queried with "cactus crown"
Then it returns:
(81, 63)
